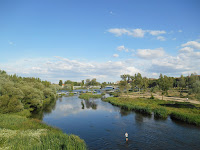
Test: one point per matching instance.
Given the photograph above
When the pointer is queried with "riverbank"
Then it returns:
(18, 132)
(182, 111)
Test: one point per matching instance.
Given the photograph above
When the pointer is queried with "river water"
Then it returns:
(103, 126)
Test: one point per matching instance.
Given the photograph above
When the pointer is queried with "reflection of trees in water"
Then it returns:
(139, 118)
(47, 109)
(90, 104)
(124, 112)
(83, 106)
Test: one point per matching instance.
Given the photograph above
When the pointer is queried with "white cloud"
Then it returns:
(150, 53)
(115, 55)
(122, 48)
(118, 32)
(54, 69)
(174, 39)
(193, 44)
(156, 32)
(138, 33)
(161, 38)
(186, 50)
(180, 31)
(149, 62)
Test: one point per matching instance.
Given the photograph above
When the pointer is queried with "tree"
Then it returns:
(164, 84)
(145, 83)
(82, 83)
(132, 82)
(181, 84)
(138, 81)
(15, 105)
(60, 82)
(196, 88)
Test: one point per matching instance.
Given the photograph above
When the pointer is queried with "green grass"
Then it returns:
(186, 112)
(88, 96)
(18, 132)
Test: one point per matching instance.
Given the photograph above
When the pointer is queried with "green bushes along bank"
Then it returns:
(160, 108)
(87, 96)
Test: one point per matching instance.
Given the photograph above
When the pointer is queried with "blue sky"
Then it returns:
(99, 39)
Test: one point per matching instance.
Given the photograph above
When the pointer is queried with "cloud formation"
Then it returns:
(122, 48)
(115, 55)
(150, 53)
(193, 44)
(161, 38)
(137, 33)
(149, 62)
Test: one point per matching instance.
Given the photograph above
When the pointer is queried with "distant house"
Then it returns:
(63, 85)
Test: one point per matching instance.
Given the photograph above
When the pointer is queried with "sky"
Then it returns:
(103, 39)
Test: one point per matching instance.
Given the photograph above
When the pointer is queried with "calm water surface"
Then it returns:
(103, 126)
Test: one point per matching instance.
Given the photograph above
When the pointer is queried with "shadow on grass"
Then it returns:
(181, 105)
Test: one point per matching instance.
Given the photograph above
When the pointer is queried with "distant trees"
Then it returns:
(92, 82)
(188, 84)
(60, 83)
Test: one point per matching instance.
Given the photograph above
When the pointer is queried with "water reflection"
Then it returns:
(90, 104)
(103, 125)
(124, 112)
(46, 110)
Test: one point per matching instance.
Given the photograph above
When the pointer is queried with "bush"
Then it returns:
(152, 97)
(160, 113)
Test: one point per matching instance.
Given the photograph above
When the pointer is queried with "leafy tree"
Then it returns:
(164, 84)
(15, 105)
(196, 88)
(60, 82)
(82, 83)
(181, 83)
(138, 81)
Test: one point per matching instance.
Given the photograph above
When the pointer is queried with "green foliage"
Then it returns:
(189, 118)
(87, 96)
(17, 93)
(92, 82)
(152, 97)
(160, 113)
(60, 83)
(18, 132)
(186, 114)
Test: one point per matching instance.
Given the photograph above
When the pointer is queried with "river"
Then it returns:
(103, 126)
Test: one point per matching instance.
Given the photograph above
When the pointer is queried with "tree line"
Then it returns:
(189, 84)
(24, 93)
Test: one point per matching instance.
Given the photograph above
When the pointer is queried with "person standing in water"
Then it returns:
(126, 135)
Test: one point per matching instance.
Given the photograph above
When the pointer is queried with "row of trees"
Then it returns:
(19, 93)
(84, 83)
(190, 84)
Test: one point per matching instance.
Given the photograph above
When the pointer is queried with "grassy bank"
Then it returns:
(87, 96)
(185, 112)
(18, 132)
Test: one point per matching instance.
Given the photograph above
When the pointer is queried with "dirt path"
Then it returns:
(177, 99)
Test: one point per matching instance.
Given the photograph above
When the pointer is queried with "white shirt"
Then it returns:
(126, 134)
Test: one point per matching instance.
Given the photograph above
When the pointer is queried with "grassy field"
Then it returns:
(183, 111)
(88, 96)
(20, 133)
